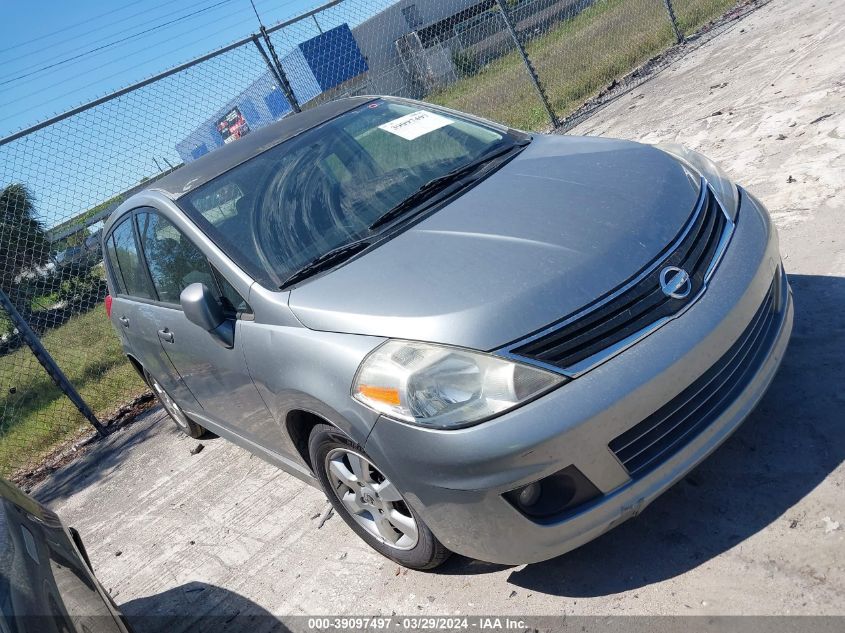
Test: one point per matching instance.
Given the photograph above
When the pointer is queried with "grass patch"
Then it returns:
(44, 301)
(575, 60)
(693, 14)
(501, 91)
(35, 415)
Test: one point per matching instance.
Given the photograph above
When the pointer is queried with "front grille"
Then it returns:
(626, 311)
(662, 434)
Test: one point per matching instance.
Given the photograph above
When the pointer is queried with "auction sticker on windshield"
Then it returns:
(416, 124)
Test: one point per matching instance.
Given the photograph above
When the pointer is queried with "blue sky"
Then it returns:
(61, 54)
(55, 32)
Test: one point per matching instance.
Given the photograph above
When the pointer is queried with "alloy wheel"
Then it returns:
(170, 406)
(371, 499)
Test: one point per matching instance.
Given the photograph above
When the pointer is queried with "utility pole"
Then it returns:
(276, 65)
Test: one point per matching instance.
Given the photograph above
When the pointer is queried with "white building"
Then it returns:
(397, 44)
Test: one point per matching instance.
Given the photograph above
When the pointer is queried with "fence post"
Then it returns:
(276, 68)
(679, 37)
(531, 71)
(48, 363)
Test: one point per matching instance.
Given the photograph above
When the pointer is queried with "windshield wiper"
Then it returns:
(415, 200)
(326, 260)
(428, 190)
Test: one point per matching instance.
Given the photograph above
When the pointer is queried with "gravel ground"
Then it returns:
(756, 529)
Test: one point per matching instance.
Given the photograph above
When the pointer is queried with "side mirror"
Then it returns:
(203, 309)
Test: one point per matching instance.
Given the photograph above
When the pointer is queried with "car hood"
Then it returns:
(566, 221)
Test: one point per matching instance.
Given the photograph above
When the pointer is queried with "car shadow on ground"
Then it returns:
(788, 446)
(195, 607)
(106, 456)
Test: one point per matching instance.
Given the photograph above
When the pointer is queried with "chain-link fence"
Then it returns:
(60, 182)
(527, 63)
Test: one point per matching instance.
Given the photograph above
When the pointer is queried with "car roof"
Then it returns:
(198, 172)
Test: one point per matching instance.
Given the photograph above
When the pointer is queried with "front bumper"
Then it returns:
(455, 479)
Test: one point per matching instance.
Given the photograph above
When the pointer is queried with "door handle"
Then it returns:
(124, 321)
(165, 335)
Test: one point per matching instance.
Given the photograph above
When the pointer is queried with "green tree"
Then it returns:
(23, 241)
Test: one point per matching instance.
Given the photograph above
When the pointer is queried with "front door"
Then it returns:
(217, 377)
(132, 312)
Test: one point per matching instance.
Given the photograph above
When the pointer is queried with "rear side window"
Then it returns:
(129, 269)
(111, 254)
(174, 262)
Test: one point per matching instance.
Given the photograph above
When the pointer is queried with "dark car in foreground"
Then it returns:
(46, 581)
(473, 339)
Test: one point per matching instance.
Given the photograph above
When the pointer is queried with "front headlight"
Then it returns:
(724, 188)
(445, 387)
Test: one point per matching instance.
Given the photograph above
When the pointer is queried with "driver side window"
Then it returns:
(175, 263)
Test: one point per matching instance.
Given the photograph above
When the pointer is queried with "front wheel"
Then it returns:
(187, 426)
(369, 503)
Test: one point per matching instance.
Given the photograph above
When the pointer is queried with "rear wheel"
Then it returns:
(187, 426)
(369, 503)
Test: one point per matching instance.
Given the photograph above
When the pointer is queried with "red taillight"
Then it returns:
(108, 306)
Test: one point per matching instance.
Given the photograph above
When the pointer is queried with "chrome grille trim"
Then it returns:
(585, 365)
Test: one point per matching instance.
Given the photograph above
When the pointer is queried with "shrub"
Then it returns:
(466, 63)
(85, 289)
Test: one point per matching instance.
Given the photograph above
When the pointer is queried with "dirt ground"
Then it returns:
(759, 528)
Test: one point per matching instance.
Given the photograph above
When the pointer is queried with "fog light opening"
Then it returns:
(553, 495)
(529, 495)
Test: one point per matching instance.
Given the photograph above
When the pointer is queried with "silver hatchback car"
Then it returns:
(475, 340)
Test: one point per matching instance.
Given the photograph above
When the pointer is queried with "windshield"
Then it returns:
(284, 208)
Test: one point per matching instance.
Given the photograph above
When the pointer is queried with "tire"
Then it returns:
(182, 422)
(377, 505)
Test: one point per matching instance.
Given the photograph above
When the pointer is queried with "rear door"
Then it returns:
(218, 377)
(132, 313)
